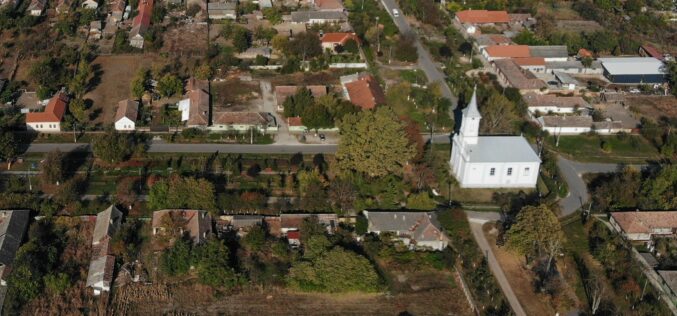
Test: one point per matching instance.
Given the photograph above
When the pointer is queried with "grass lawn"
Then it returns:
(623, 149)
(413, 76)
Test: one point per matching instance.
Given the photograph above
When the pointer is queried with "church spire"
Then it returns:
(471, 111)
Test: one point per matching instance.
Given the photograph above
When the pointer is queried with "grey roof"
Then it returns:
(565, 78)
(306, 16)
(13, 225)
(242, 221)
(670, 278)
(571, 64)
(501, 149)
(471, 110)
(543, 100)
(420, 226)
(221, 6)
(633, 66)
(101, 270)
(107, 223)
(565, 121)
(549, 51)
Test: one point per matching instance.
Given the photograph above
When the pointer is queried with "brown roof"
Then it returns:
(517, 77)
(338, 38)
(530, 61)
(365, 92)
(199, 107)
(282, 92)
(142, 19)
(127, 108)
(482, 16)
(240, 118)
(584, 53)
(195, 84)
(536, 100)
(508, 51)
(500, 39)
(644, 222)
(566, 121)
(197, 222)
(294, 121)
(54, 111)
(652, 51)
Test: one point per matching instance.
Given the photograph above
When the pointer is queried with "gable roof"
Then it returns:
(539, 100)
(549, 51)
(328, 4)
(338, 37)
(240, 118)
(482, 16)
(565, 121)
(365, 92)
(142, 19)
(516, 77)
(633, 65)
(106, 223)
(101, 270)
(53, 113)
(419, 226)
(127, 108)
(13, 224)
(530, 61)
(508, 51)
(198, 222)
(645, 222)
(501, 149)
(199, 107)
(306, 16)
(652, 51)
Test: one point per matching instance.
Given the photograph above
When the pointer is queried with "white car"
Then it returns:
(396, 12)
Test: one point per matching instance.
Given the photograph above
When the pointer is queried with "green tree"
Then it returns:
(420, 201)
(178, 192)
(671, 70)
(304, 45)
(57, 283)
(169, 85)
(660, 191)
(241, 39)
(273, 15)
(317, 116)
(8, 147)
(534, 230)
(212, 265)
(52, 169)
(374, 143)
(177, 259)
(139, 84)
(405, 49)
(113, 147)
(78, 109)
(336, 271)
(255, 239)
(296, 104)
(204, 72)
(315, 246)
(498, 115)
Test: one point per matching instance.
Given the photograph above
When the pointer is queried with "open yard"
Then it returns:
(115, 75)
(186, 39)
(623, 149)
(234, 94)
(653, 107)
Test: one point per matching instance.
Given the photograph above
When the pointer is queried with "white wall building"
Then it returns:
(126, 115)
(491, 161)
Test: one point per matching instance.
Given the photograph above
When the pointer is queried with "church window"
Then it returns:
(492, 171)
(509, 171)
(526, 171)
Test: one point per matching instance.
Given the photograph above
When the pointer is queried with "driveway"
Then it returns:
(425, 61)
(476, 220)
(269, 105)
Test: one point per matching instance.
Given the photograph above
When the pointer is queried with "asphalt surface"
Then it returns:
(477, 219)
(425, 61)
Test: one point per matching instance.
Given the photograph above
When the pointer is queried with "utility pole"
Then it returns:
(378, 35)
(75, 126)
(251, 136)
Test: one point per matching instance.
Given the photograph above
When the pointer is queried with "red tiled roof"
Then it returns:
(53, 112)
(652, 51)
(584, 53)
(500, 39)
(508, 51)
(338, 38)
(365, 92)
(142, 19)
(482, 16)
(530, 61)
(645, 222)
(294, 121)
(294, 235)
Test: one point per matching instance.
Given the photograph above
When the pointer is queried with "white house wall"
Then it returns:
(478, 175)
(125, 124)
(44, 127)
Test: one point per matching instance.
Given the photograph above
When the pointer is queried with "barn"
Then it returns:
(634, 70)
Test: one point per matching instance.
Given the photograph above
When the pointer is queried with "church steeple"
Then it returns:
(470, 122)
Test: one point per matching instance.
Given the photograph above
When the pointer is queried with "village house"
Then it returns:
(643, 225)
(470, 19)
(484, 40)
(196, 224)
(330, 41)
(363, 90)
(532, 64)
(101, 267)
(222, 10)
(491, 161)
(550, 53)
(318, 17)
(549, 103)
(511, 74)
(95, 30)
(565, 124)
(242, 121)
(195, 107)
(117, 10)
(63, 7)
(495, 52)
(574, 67)
(13, 226)
(126, 115)
(283, 92)
(48, 121)
(141, 23)
(417, 230)
(37, 7)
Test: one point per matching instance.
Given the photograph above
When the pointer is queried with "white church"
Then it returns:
(491, 161)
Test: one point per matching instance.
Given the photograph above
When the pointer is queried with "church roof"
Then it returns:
(471, 110)
(501, 149)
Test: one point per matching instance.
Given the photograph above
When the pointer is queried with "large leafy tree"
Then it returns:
(498, 115)
(317, 116)
(52, 169)
(8, 147)
(661, 191)
(335, 271)
(305, 45)
(178, 192)
(536, 229)
(169, 85)
(113, 147)
(212, 265)
(374, 143)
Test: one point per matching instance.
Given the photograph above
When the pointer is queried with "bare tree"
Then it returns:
(595, 290)
(552, 248)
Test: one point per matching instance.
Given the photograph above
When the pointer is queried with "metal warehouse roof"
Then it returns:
(633, 65)
(549, 51)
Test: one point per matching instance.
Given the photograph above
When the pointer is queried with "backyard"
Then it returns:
(610, 149)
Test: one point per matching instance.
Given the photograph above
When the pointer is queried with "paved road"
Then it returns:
(572, 171)
(425, 61)
(477, 219)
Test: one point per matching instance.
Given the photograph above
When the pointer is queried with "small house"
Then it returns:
(37, 7)
(643, 225)
(554, 104)
(195, 107)
(100, 274)
(241, 121)
(364, 91)
(318, 17)
(141, 23)
(195, 224)
(95, 30)
(48, 121)
(330, 41)
(222, 10)
(126, 115)
(505, 51)
(418, 230)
